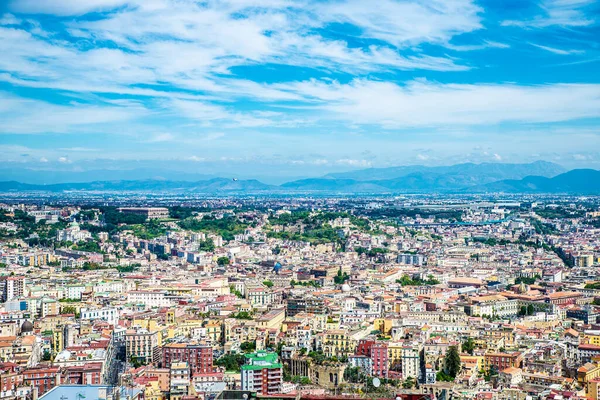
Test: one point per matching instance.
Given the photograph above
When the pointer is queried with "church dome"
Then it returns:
(26, 327)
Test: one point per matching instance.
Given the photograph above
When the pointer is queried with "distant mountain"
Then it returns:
(482, 173)
(577, 181)
(463, 178)
(215, 185)
(334, 185)
(418, 179)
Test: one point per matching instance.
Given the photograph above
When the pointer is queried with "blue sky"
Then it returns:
(278, 89)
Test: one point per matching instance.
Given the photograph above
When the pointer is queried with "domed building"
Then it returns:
(73, 233)
(26, 327)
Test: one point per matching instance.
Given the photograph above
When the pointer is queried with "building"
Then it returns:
(587, 314)
(11, 287)
(142, 345)
(72, 233)
(503, 360)
(411, 259)
(411, 361)
(311, 305)
(42, 378)
(149, 298)
(148, 212)
(379, 357)
(198, 357)
(180, 380)
(96, 392)
(262, 373)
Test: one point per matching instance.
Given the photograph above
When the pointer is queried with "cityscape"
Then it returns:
(234, 297)
(299, 200)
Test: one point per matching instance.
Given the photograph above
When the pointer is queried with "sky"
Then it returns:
(279, 89)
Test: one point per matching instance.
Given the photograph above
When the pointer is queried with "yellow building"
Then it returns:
(591, 339)
(214, 331)
(338, 343)
(272, 319)
(469, 361)
(394, 356)
(586, 374)
(382, 325)
(153, 391)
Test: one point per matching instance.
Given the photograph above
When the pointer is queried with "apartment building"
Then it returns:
(262, 373)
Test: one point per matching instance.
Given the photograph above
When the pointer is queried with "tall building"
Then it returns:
(11, 287)
(142, 345)
(379, 355)
(262, 373)
(411, 361)
(199, 357)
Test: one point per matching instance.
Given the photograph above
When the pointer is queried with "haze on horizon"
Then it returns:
(284, 89)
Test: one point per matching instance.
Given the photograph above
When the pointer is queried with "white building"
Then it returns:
(149, 298)
(73, 233)
(108, 314)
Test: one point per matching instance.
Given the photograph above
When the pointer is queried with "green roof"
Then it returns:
(260, 360)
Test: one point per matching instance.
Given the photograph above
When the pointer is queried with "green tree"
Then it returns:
(268, 284)
(468, 346)
(231, 362)
(530, 309)
(452, 361)
(243, 315)
(68, 310)
(248, 347)
(222, 261)
(409, 383)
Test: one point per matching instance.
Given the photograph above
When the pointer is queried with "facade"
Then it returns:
(411, 259)
(262, 373)
(143, 345)
(198, 357)
(11, 287)
(503, 360)
(411, 361)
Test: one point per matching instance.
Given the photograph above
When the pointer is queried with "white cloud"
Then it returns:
(9, 19)
(161, 137)
(64, 160)
(407, 22)
(63, 7)
(557, 51)
(43, 160)
(149, 33)
(566, 13)
(426, 104)
(20, 115)
(353, 162)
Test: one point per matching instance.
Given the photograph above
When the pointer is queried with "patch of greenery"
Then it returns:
(305, 283)
(231, 362)
(408, 281)
(226, 227)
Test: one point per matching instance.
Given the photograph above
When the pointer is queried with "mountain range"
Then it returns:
(537, 177)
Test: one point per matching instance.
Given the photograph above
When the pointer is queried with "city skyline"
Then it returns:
(298, 88)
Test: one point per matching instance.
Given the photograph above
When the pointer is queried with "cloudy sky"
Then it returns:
(277, 88)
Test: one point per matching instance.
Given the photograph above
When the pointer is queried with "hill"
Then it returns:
(484, 173)
(577, 181)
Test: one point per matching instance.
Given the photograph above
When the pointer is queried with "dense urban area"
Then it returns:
(406, 297)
